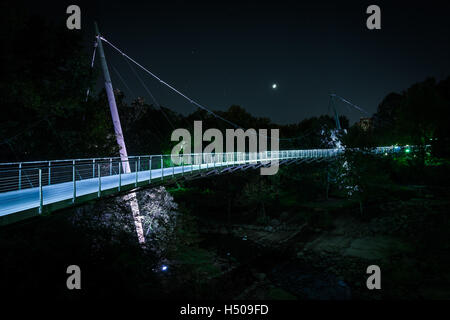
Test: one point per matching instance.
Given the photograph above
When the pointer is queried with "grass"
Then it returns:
(198, 260)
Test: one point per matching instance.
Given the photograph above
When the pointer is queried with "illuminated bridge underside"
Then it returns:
(37, 190)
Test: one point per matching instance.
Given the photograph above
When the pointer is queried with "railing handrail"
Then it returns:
(40, 174)
(134, 157)
(185, 154)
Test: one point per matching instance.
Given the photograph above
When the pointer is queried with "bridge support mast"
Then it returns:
(112, 105)
(336, 116)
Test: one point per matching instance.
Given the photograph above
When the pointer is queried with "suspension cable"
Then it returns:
(348, 102)
(166, 84)
(92, 65)
(123, 81)
(185, 96)
(150, 94)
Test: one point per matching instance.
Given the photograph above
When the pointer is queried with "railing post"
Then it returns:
(136, 171)
(139, 163)
(74, 182)
(120, 173)
(150, 169)
(49, 172)
(99, 182)
(41, 197)
(182, 165)
(20, 175)
(93, 168)
(173, 167)
(110, 166)
(162, 168)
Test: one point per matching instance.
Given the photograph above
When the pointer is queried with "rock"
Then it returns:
(268, 228)
(377, 247)
(157, 215)
(329, 244)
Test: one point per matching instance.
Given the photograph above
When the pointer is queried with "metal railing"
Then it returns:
(23, 175)
(107, 173)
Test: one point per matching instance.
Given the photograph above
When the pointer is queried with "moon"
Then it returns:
(274, 86)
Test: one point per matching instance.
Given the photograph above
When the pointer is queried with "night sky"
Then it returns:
(222, 52)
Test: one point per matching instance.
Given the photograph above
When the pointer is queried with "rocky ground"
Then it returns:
(331, 263)
(292, 259)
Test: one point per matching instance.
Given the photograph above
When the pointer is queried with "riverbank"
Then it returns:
(289, 260)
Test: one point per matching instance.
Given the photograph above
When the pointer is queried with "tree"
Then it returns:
(362, 176)
(418, 116)
(257, 194)
(44, 79)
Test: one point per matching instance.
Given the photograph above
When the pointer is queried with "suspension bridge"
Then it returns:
(33, 188)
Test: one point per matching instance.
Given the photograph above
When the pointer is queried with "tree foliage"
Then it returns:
(44, 79)
(417, 116)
